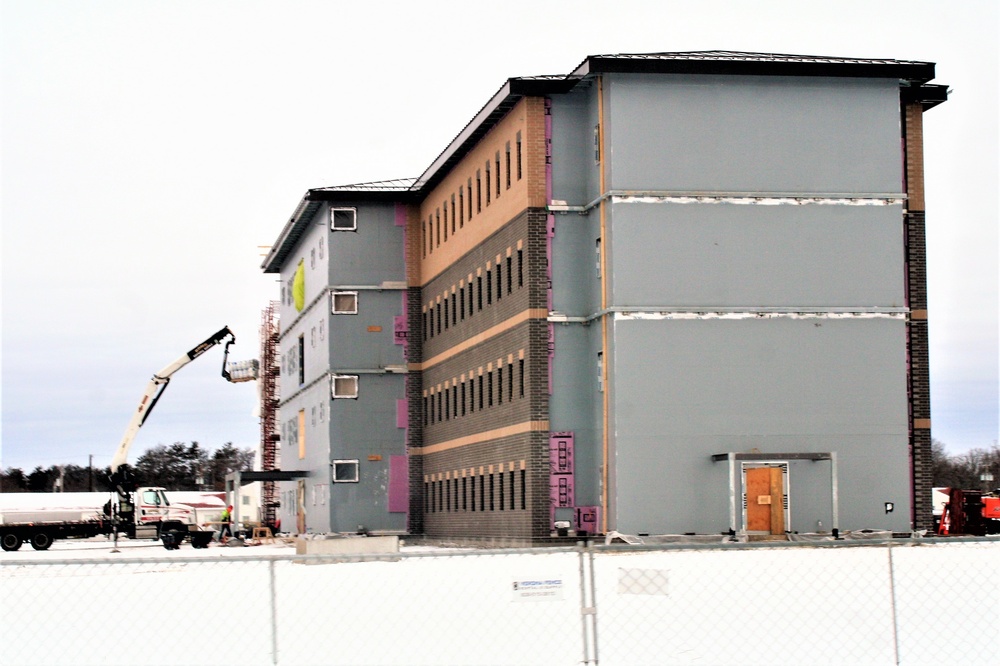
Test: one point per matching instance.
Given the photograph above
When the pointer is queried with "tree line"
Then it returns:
(180, 466)
(975, 469)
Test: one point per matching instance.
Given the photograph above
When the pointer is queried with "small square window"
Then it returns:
(344, 219)
(345, 302)
(345, 386)
(345, 471)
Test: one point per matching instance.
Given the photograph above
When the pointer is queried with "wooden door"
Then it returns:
(765, 500)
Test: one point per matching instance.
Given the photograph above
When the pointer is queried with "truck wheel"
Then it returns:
(41, 540)
(11, 541)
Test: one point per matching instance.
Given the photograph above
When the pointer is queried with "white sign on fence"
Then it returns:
(541, 589)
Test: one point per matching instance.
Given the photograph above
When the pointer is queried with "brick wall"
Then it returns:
(917, 341)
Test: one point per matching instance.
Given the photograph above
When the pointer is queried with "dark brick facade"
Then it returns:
(917, 340)
(484, 390)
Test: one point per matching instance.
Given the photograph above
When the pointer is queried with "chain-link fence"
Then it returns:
(895, 602)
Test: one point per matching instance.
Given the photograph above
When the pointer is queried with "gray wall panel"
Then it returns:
(575, 176)
(576, 283)
(576, 405)
(686, 389)
(372, 254)
(353, 345)
(753, 134)
(689, 254)
(358, 429)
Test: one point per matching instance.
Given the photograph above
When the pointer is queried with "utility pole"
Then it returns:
(91, 472)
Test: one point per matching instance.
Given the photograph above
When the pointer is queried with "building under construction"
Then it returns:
(663, 293)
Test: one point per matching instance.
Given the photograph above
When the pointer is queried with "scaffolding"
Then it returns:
(269, 436)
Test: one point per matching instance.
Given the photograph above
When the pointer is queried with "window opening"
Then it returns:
(345, 386)
(510, 382)
(489, 183)
(345, 302)
(446, 319)
(498, 173)
(499, 384)
(346, 471)
(501, 491)
(489, 286)
(507, 158)
(524, 489)
(520, 369)
(520, 268)
(519, 156)
(510, 276)
(479, 291)
(463, 398)
(461, 207)
(479, 193)
(302, 359)
(489, 388)
(344, 219)
(510, 474)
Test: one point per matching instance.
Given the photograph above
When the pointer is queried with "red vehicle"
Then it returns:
(969, 512)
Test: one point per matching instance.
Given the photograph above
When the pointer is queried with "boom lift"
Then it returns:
(121, 474)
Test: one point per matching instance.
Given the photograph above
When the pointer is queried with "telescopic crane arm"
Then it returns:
(155, 388)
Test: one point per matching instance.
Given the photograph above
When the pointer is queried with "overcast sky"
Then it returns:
(149, 148)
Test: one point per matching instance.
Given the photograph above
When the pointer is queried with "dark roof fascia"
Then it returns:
(919, 72)
(290, 234)
(929, 95)
(349, 196)
(499, 105)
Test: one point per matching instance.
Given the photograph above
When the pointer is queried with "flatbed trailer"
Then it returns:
(41, 535)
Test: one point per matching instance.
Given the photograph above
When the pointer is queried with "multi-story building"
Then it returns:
(664, 293)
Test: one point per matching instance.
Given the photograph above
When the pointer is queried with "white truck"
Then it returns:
(148, 513)
(133, 511)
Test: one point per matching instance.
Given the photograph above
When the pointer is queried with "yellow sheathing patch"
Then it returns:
(299, 286)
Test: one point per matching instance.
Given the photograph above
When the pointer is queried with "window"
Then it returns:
(600, 371)
(302, 359)
(520, 372)
(518, 138)
(423, 237)
(524, 489)
(447, 319)
(461, 206)
(499, 384)
(507, 170)
(470, 198)
(445, 207)
(453, 214)
(479, 192)
(499, 280)
(520, 268)
(463, 397)
(472, 492)
(430, 314)
(479, 291)
(321, 243)
(510, 275)
(598, 251)
(500, 483)
(345, 386)
(510, 382)
(438, 329)
(345, 471)
(510, 474)
(461, 301)
(489, 286)
(489, 388)
(344, 219)
(345, 302)
(454, 310)
(481, 392)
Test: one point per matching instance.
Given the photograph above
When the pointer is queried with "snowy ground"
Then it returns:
(79, 603)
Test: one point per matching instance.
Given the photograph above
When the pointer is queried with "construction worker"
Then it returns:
(227, 523)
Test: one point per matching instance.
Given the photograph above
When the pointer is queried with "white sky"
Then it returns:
(149, 148)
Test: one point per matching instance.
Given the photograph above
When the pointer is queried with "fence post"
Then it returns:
(588, 606)
(274, 614)
(895, 619)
